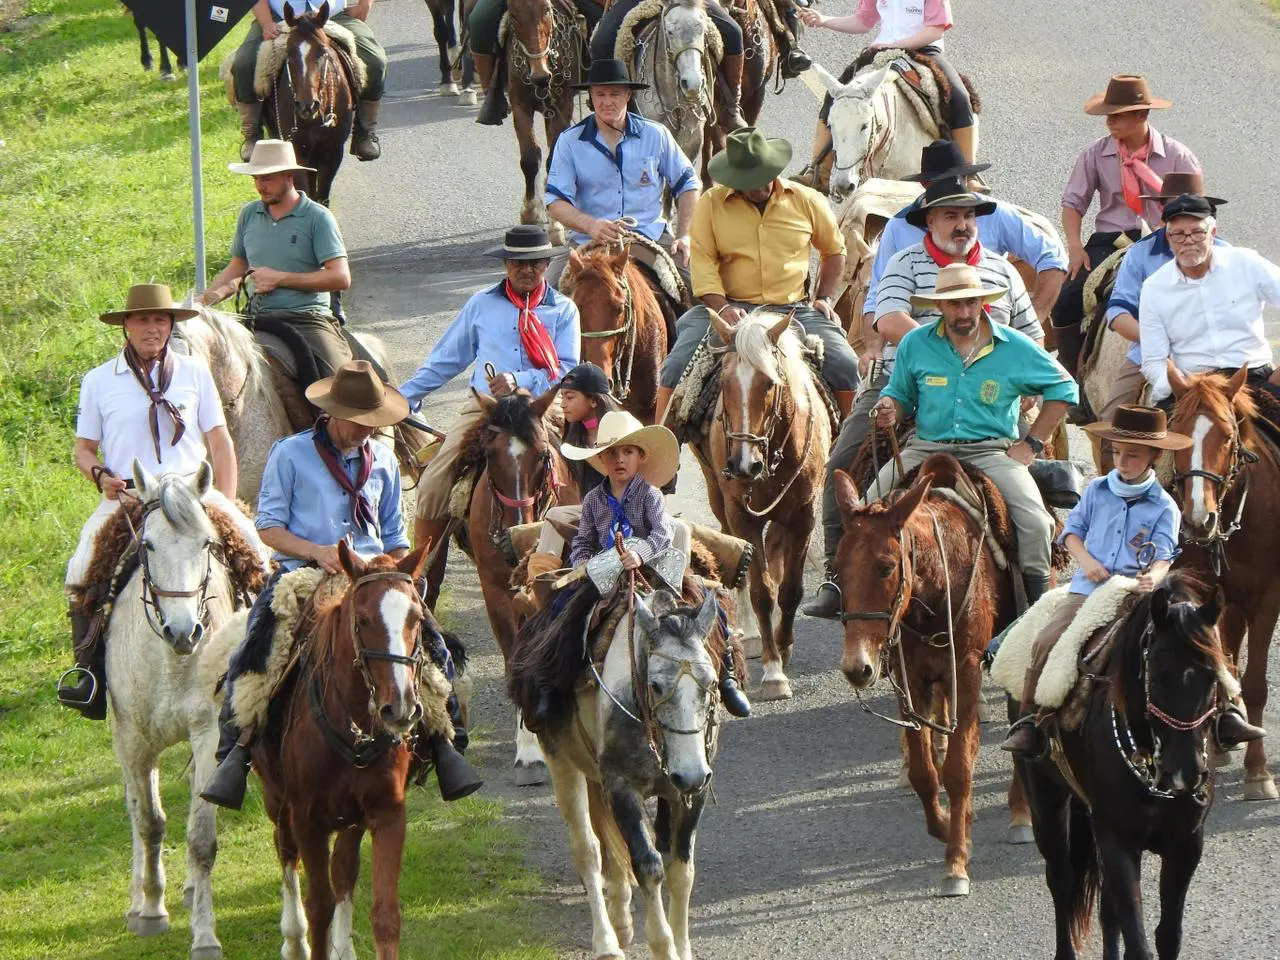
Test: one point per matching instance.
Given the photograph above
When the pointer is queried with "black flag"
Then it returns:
(167, 19)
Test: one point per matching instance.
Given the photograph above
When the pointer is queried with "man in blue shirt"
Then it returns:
(522, 329)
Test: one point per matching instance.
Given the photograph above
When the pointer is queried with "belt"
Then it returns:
(958, 442)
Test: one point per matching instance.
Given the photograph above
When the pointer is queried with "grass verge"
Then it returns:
(95, 195)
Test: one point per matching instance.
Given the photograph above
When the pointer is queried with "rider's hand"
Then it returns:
(112, 487)
(270, 30)
(631, 560)
(811, 18)
(886, 412)
(501, 384)
(1077, 258)
(1022, 453)
(870, 354)
(680, 251)
(1027, 404)
(265, 279)
(327, 557)
(605, 231)
(1096, 571)
(730, 314)
(824, 307)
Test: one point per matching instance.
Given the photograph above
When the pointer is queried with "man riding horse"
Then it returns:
(157, 407)
(267, 17)
(322, 486)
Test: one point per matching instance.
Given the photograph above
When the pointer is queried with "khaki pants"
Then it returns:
(1032, 521)
(437, 478)
(1045, 641)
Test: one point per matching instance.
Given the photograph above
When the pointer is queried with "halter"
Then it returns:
(151, 594)
(620, 385)
(676, 108)
(1215, 542)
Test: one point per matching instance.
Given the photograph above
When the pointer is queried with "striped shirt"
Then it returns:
(644, 509)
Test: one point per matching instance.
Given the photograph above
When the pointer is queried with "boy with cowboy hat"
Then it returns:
(1121, 516)
(160, 409)
(330, 483)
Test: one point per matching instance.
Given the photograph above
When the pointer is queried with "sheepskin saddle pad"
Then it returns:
(272, 55)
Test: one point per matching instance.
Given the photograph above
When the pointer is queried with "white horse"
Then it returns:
(179, 594)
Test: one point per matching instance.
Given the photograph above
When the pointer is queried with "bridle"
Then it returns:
(1215, 542)
(152, 594)
(620, 383)
(878, 137)
(328, 92)
(546, 491)
(414, 660)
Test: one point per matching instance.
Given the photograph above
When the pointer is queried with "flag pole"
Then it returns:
(193, 120)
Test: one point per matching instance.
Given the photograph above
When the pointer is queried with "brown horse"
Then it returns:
(764, 461)
(359, 676)
(624, 331)
(1229, 484)
(922, 596)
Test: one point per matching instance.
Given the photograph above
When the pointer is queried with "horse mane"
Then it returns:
(752, 344)
(240, 345)
(512, 415)
(182, 508)
(308, 28)
(1207, 393)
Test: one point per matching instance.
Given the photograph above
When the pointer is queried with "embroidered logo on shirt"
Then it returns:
(645, 181)
(935, 381)
(989, 392)
(1139, 538)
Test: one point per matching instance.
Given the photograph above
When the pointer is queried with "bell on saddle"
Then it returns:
(454, 774)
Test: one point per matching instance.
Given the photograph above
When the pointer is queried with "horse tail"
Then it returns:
(1086, 876)
(613, 846)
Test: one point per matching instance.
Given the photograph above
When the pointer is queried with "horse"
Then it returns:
(922, 596)
(764, 461)
(1135, 776)
(144, 47)
(1227, 482)
(179, 593)
(544, 54)
(453, 50)
(624, 331)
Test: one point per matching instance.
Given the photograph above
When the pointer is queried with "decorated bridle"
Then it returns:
(1215, 542)
(328, 91)
(878, 139)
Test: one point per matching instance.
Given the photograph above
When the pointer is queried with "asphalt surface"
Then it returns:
(813, 849)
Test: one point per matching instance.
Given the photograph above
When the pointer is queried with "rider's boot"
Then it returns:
(663, 401)
(731, 695)
(88, 693)
(817, 171)
(1233, 728)
(826, 603)
(1069, 340)
(1035, 587)
(250, 127)
(455, 775)
(1024, 735)
(794, 60)
(227, 785)
(494, 107)
(364, 144)
(731, 70)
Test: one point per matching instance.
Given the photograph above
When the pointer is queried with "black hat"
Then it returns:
(529, 241)
(949, 193)
(609, 73)
(943, 158)
(586, 378)
(1189, 205)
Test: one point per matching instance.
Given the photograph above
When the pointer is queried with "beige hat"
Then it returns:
(270, 156)
(617, 427)
(958, 281)
(148, 298)
(357, 394)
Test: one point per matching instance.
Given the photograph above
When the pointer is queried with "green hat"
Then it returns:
(750, 160)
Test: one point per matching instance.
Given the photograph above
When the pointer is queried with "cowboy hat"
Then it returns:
(1177, 183)
(148, 298)
(943, 158)
(270, 156)
(958, 281)
(1189, 205)
(949, 192)
(749, 160)
(608, 73)
(617, 427)
(528, 241)
(1145, 426)
(356, 393)
(1124, 94)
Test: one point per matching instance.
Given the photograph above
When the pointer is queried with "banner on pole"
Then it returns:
(167, 20)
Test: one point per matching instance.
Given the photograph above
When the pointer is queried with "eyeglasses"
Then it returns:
(1191, 236)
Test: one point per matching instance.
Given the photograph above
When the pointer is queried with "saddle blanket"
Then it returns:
(272, 55)
(925, 97)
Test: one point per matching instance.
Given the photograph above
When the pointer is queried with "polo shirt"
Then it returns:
(299, 494)
(742, 254)
(115, 413)
(629, 181)
(900, 19)
(301, 241)
(952, 401)
(1114, 529)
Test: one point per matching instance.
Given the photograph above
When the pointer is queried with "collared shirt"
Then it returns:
(1097, 170)
(1006, 230)
(299, 494)
(899, 19)
(1114, 529)
(301, 6)
(115, 413)
(630, 181)
(980, 401)
(301, 241)
(1207, 324)
(486, 331)
(643, 507)
(744, 255)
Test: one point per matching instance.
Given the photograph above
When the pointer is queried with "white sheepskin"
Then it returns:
(1010, 666)
(271, 57)
(1062, 668)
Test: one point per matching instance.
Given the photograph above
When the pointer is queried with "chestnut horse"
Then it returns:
(922, 596)
(1229, 485)
(764, 461)
(624, 332)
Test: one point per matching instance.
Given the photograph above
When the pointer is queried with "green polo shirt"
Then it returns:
(980, 401)
(299, 242)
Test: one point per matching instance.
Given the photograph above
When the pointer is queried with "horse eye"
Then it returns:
(655, 689)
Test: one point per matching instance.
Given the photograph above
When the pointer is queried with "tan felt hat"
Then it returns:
(148, 298)
(270, 156)
(357, 394)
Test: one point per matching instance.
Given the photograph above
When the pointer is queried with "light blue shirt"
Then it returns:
(1003, 231)
(302, 6)
(606, 185)
(1114, 529)
(299, 494)
(486, 331)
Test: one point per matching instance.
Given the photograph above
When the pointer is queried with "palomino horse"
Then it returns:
(179, 593)
(624, 331)
(1142, 776)
(922, 596)
(764, 461)
(1228, 482)
(544, 57)
(453, 51)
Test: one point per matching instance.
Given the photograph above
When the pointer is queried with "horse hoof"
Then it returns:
(775, 690)
(1020, 833)
(1264, 788)
(449, 89)
(531, 774)
(147, 926)
(984, 712)
(206, 953)
(955, 887)
(467, 98)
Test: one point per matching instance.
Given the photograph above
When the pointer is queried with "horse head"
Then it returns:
(854, 124)
(313, 70)
(607, 304)
(684, 30)
(383, 617)
(532, 24)
(877, 574)
(520, 462)
(175, 553)
(756, 376)
(1217, 414)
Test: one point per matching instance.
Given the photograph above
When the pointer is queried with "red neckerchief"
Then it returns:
(361, 508)
(942, 258)
(534, 337)
(1135, 174)
(155, 392)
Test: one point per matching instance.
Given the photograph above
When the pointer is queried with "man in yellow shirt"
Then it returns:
(750, 241)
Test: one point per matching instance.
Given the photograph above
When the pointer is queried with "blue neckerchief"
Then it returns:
(1130, 491)
(619, 516)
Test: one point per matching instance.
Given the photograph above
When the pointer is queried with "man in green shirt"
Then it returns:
(290, 248)
(963, 378)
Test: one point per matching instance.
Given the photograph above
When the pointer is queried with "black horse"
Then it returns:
(1143, 780)
(166, 67)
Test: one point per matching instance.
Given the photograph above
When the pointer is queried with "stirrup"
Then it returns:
(63, 685)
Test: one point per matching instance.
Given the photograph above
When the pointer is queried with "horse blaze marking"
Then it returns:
(516, 450)
(746, 375)
(1202, 428)
(395, 610)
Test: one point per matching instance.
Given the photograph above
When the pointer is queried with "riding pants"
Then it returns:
(1068, 310)
(604, 38)
(853, 433)
(486, 17)
(368, 49)
(323, 336)
(961, 113)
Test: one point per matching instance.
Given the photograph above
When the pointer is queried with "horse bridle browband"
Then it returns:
(413, 660)
(1215, 542)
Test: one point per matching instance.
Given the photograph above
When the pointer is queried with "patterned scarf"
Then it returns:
(620, 521)
(141, 371)
(362, 514)
(1133, 168)
(534, 337)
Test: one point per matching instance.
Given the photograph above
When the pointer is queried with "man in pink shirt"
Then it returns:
(1130, 161)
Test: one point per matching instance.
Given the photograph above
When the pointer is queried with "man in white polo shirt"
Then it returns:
(1203, 309)
(160, 408)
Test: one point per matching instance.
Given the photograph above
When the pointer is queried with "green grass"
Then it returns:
(94, 195)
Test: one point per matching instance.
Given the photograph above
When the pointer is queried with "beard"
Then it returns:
(1193, 258)
(956, 245)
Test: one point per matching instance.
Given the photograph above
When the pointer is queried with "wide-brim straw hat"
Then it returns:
(948, 192)
(528, 241)
(356, 393)
(958, 281)
(617, 427)
(1124, 94)
(270, 156)
(1178, 182)
(749, 160)
(1146, 426)
(608, 73)
(148, 298)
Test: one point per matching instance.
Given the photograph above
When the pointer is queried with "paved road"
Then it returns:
(812, 849)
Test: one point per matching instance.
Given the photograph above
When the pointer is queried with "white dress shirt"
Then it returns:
(1211, 323)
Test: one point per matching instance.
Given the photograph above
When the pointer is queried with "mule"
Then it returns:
(764, 460)
(455, 59)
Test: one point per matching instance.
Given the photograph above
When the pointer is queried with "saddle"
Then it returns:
(273, 53)
(922, 78)
(862, 219)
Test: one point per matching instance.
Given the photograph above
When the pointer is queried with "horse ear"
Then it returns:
(779, 328)
(1160, 606)
(352, 565)
(847, 497)
(322, 15)
(415, 563)
(542, 404)
(707, 615)
(834, 86)
(724, 330)
(1211, 610)
(143, 482)
(619, 259)
(644, 616)
(902, 509)
(203, 479)
(487, 403)
(289, 16)
(1178, 382)
(1237, 381)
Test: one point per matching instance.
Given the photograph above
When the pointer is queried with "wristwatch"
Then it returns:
(830, 300)
(1035, 443)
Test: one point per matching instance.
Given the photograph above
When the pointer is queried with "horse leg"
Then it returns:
(344, 870)
(442, 27)
(1054, 839)
(1258, 782)
(313, 845)
(1110, 922)
(1176, 870)
(202, 846)
(774, 684)
(293, 918)
(1122, 885)
(388, 857)
(530, 162)
(531, 765)
(554, 126)
(680, 870)
(792, 546)
(646, 863)
(147, 915)
(924, 778)
(957, 776)
(143, 45)
(166, 68)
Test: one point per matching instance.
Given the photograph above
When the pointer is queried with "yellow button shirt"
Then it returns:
(741, 254)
